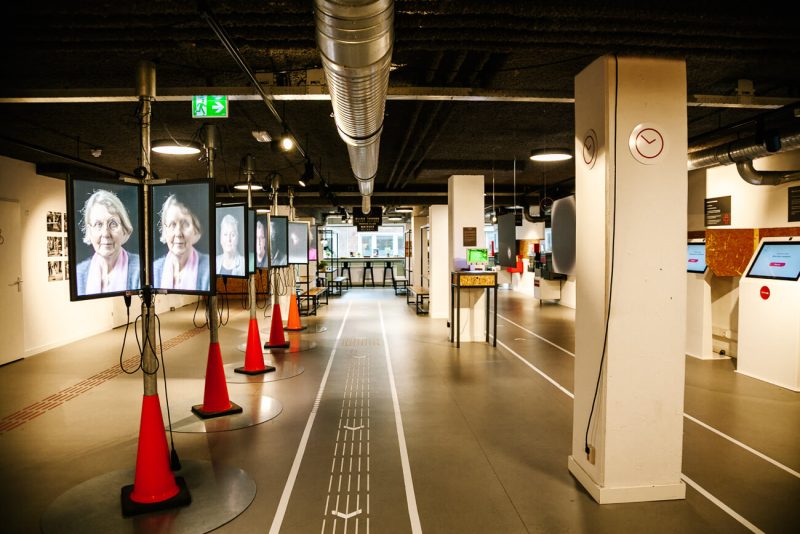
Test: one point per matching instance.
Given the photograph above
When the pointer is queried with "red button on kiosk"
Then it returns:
(764, 292)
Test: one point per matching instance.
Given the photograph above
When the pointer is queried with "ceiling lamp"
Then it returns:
(242, 186)
(308, 174)
(403, 210)
(175, 147)
(262, 210)
(551, 154)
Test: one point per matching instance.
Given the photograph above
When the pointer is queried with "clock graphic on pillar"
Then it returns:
(647, 143)
(589, 150)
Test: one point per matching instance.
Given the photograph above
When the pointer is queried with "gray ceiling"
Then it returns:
(509, 52)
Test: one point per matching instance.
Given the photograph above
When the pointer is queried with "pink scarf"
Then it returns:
(187, 278)
(117, 279)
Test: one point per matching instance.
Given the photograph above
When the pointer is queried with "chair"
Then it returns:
(346, 267)
(368, 267)
(388, 267)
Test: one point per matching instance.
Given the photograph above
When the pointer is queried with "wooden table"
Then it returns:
(471, 280)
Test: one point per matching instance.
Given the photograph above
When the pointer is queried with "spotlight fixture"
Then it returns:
(261, 136)
(308, 174)
(175, 147)
(550, 154)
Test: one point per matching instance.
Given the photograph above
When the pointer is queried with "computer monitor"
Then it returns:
(477, 255)
(104, 238)
(232, 233)
(278, 241)
(696, 260)
(777, 260)
(298, 243)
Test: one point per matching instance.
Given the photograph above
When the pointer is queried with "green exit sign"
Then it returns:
(207, 106)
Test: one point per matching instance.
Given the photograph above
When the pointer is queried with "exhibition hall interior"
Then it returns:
(399, 266)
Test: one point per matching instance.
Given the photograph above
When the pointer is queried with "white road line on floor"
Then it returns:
(750, 526)
(536, 335)
(280, 513)
(742, 445)
(725, 508)
(413, 513)
(749, 449)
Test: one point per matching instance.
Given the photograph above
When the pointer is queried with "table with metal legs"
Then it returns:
(471, 280)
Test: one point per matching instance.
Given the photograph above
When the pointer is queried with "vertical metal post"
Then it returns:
(146, 91)
(211, 143)
(249, 169)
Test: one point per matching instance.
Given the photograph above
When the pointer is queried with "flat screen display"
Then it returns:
(506, 255)
(261, 233)
(231, 242)
(477, 255)
(298, 243)
(104, 240)
(278, 241)
(251, 241)
(777, 260)
(312, 244)
(696, 261)
(182, 237)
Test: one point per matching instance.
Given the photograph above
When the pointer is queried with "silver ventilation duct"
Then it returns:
(355, 39)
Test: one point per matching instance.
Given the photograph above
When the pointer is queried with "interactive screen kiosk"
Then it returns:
(477, 258)
(698, 303)
(769, 314)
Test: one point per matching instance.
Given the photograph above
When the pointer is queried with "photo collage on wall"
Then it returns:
(57, 248)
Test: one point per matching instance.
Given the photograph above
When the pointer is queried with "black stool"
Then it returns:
(388, 267)
(346, 267)
(368, 267)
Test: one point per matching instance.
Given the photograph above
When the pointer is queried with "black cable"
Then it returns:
(223, 304)
(611, 267)
(194, 317)
(125, 338)
(175, 463)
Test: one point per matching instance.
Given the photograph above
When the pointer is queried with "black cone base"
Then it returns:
(200, 412)
(129, 507)
(281, 346)
(242, 370)
(295, 329)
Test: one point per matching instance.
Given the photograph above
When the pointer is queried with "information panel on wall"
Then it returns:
(718, 211)
(794, 204)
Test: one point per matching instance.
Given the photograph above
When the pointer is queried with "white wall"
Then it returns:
(49, 318)
(440, 263)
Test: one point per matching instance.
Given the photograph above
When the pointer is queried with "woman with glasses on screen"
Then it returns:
(182, 267)
(230, 262)
(106, 227)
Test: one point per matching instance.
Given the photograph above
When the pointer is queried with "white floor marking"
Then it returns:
(347, 516)
(750, 526)
(686, 415)
(413, 513)
(353, 428)
(280, 513)
(725, 508)
(536, 335)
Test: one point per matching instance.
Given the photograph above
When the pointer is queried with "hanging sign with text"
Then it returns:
(718, 211)
(368, 222)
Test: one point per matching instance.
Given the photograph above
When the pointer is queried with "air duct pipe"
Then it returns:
(355, 39)
(743, 152)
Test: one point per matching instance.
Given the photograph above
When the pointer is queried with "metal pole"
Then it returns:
(249, 169)
(211, 142)
(146, 90)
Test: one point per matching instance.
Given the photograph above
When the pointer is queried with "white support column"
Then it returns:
(631, 196)
(440, 264)
(417, 222)
(465, 210)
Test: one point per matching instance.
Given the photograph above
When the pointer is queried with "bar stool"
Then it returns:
(388, 267)
(346, 267)
(368, 267)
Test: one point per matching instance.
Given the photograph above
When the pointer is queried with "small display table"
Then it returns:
(471, 280)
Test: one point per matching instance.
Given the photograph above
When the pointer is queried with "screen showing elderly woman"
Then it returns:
(231, 241)
(103, 238)
(181, 237)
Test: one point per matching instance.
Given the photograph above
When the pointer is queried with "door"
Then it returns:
(10, 283)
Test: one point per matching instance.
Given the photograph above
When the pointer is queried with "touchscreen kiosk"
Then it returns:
(298, 243)
(698, 304)
(477, 258)
(182, 237)
(104, 239)
(231, 242)
(769, 314)
(278, 241)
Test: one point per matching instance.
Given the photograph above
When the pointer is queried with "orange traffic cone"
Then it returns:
(293, 322)
(215, 399)
(154, 487)
(253, 356)
(276, 337)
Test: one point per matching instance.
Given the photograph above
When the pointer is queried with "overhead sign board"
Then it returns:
(368, 222)
(208, 106)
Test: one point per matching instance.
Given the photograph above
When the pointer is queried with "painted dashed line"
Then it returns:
(350, 463)
(27, 414)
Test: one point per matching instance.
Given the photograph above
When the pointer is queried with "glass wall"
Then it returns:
(387, 242)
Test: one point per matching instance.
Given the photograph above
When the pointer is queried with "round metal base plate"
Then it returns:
(296, 344)
(283, 369)
(256, 409)
(219, 494)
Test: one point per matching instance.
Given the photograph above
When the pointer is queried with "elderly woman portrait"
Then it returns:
(261, 245)
(106, 227)
(231, 261)
(183, 267)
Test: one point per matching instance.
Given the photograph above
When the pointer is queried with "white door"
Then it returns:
(11, 286)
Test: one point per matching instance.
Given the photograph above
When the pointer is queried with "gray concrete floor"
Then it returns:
(487, 438)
